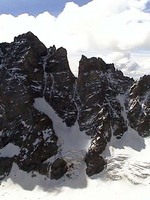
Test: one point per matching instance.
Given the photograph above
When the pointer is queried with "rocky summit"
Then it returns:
(52, 122)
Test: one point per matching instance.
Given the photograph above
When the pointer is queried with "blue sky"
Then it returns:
(34, 7)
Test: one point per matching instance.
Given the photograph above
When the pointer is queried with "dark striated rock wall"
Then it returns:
(102, 100)
(139, 106)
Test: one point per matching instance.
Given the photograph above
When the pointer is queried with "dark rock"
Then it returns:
(57, 61)
(141, 88)
(102, 100)
(95, 163)
(5, 166)
(29, 39)
(139, 107)
(98, 145)
(44, 169)
(37, 145)
(58, 168)
(99, 84)
(23, 81)
(91, 64)
(60, 90)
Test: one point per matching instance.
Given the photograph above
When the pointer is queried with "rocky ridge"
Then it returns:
(102, 101)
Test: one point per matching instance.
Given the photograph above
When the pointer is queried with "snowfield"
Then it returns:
(33, 186)
(126, 177)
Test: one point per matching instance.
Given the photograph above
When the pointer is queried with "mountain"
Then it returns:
(52, 122)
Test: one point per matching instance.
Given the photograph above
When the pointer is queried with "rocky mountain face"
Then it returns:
(101, 101)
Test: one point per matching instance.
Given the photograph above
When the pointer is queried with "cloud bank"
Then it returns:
(116, 30)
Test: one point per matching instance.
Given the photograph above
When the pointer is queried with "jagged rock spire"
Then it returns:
(101, 101)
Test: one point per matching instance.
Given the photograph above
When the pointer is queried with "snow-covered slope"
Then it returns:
(129, 158)
(72, 143)
(62, 126)
(70, 138)
(126, 177)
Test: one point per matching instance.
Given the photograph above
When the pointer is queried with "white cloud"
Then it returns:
(112, 29)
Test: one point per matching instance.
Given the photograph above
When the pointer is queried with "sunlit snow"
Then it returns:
(32, 186)
(127, 175)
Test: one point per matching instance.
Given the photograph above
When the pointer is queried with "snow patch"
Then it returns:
(9, 150)
(71, 139)
(128, 158)
(130, 139)
(121, 99)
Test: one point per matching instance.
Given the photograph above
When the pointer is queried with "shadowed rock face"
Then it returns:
(139, 107)
(102, 100)
(58, 169)
(21, 74)
(5, 167)
(95, 163)
(60, 85)
(100, 86)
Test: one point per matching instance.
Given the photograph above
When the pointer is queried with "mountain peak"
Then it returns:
(91, 64)
(30, 40)
(52, 122)
(26, 36)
